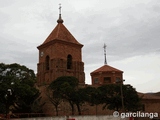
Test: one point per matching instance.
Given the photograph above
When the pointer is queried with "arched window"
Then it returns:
(69, 62)
(47, 62)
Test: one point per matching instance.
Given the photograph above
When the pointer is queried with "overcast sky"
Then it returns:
(130, 29)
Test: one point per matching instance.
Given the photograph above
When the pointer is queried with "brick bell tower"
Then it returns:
(60, 55)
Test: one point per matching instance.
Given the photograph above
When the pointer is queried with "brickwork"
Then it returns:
(106, 75)
(151, 104)
(54, 56)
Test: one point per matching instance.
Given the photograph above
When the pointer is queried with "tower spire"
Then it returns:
(60, 18)
(105, 59)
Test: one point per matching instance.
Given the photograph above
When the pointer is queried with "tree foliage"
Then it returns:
(92, 95)
(111, 97)
(21, 81)
(65, 87)
(55, 98)
(78, 98)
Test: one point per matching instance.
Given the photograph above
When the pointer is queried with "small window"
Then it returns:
(47, 62)
(95, 80)
(69, 62)
(107, 79)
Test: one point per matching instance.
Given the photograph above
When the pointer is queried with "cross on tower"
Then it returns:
(60, 8)
(105, 59)
(60, 18)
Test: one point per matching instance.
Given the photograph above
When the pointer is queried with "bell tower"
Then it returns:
(60, 55)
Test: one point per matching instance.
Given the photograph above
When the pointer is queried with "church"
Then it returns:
(61, 55)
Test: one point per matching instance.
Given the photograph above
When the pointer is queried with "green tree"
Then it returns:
(17, 89)
(112, 99)
(66, 87)
(78, 97)
(132, 102)
(55, 98)
(92, 95)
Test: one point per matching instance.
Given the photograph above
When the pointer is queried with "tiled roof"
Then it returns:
(106, 68)
(60, 32)
(148, 96)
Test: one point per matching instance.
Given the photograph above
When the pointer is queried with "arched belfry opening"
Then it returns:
(47, 62)
(69, 62)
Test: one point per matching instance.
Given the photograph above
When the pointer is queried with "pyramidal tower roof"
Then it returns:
(61, 33)
(106, 68)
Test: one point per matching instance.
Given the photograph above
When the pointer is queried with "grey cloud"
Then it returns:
(129, 29)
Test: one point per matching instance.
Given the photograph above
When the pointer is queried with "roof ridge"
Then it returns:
(112, 67)
(106, 68)
(57, 31)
